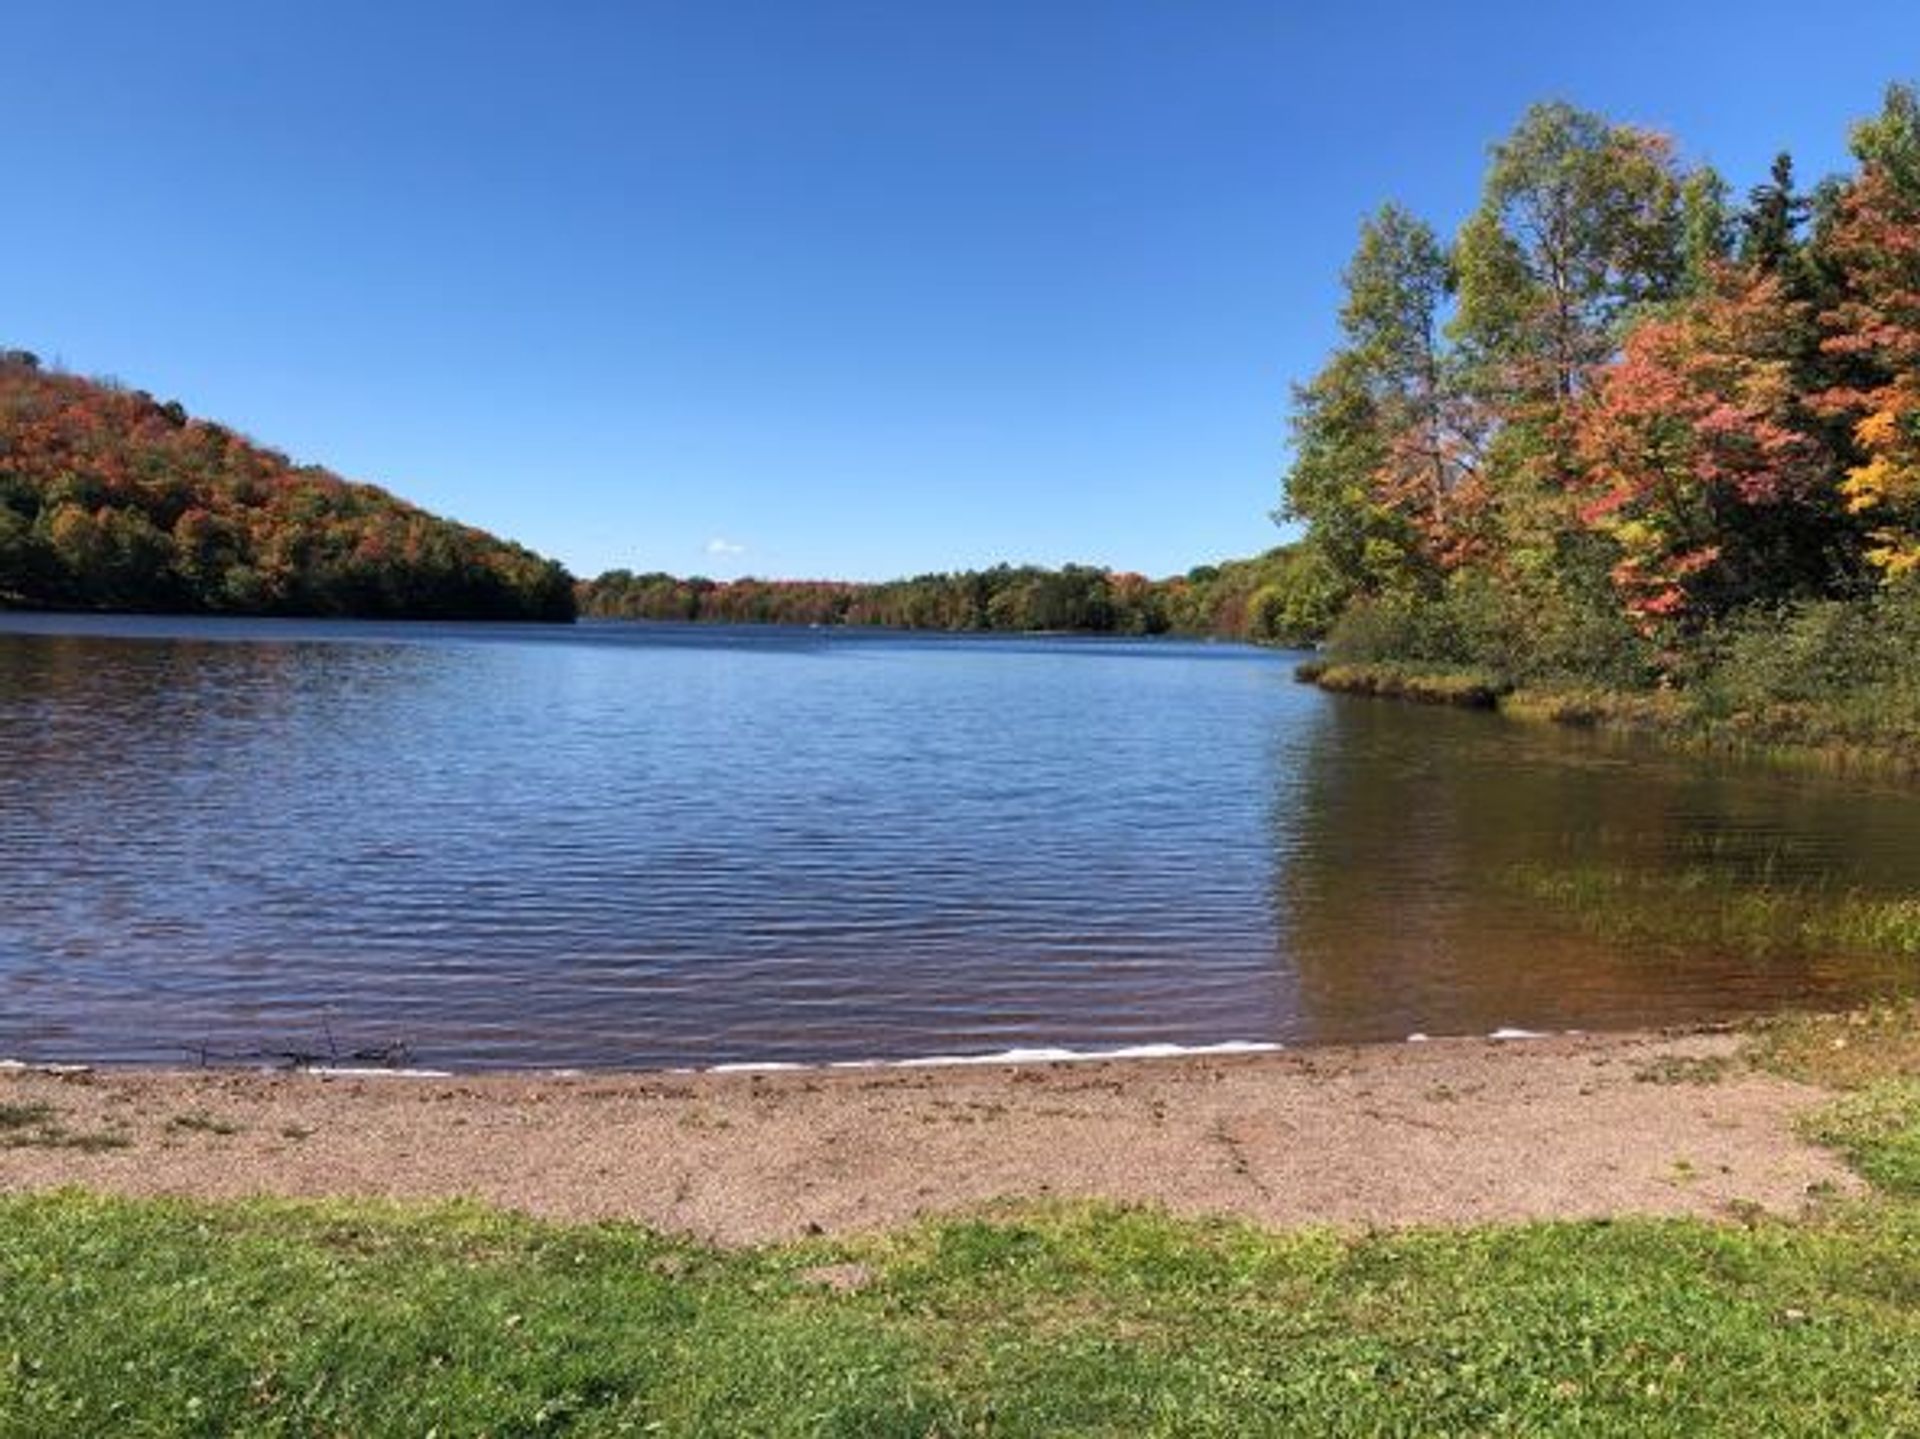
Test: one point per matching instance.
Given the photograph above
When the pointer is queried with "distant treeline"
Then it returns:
(1274, 598)
(110, 499)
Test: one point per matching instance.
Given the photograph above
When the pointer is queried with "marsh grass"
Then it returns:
(1460, 688)
(1748, 908)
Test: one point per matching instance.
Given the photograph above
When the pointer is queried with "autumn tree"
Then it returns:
(1696, 459)
(1873, 331)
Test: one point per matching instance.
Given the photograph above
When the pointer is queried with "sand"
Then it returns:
(1449, 1131)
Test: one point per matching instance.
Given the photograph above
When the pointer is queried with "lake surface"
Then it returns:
(642, 846)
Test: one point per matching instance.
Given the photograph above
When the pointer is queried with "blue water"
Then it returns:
(641, 846)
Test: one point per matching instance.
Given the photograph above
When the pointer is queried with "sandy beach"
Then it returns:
(1456, 1130)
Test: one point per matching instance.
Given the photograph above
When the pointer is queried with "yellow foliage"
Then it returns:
(1897, 554)
(1890, 479)
(1876, 431)
(1635, 534)
(1867, 485)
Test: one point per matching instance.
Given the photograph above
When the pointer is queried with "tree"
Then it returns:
(1582, 225)
(1695, 458)
(1580, 222)
(1385, 455)
(1397, 290)
(1770, 227)
(1707, 227)
(1873, 331)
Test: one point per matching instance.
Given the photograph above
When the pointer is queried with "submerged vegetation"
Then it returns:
(110, 499)
(1707, 905)
(1626, 436)
(1270, 599)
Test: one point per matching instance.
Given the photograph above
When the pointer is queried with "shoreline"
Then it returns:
(1386, 1135)
(352, 1067)
(1791, 739)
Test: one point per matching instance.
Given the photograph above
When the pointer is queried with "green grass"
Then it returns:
(1823, 683)
(1875, 735)
(1845, 1051)
(1878, 1129)
(127, 1317)
(1872, 1055)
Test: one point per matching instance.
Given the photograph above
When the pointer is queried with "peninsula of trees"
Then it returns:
(110, 499)
(1627, 431)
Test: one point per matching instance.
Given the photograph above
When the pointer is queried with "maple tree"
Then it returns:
(1874, 331)
(1690, 434)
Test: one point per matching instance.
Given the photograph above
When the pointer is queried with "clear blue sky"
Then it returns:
(796, 288)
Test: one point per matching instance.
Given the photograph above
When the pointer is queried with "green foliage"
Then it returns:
(109, 500)
(1581, 221)
(1513, 634)
(1821, 672)
(1707, 227)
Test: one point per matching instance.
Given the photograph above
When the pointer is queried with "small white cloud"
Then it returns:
(719, 546)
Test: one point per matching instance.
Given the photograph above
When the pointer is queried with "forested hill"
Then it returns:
(112, 500)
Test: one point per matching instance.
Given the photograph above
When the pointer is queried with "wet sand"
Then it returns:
(1449, 1131)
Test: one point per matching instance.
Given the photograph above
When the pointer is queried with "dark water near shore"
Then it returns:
(647, 846)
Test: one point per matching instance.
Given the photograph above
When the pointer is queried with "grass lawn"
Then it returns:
(125, 1317)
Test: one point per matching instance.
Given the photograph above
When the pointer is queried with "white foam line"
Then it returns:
(1044, 1055)
(345, 1071)
(753, 1067)
(21, 1066)
(1504, 1034)
(1041, 1055)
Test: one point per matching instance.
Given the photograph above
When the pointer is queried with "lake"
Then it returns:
(656, 846)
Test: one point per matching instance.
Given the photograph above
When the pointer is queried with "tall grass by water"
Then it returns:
(1700, 904)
